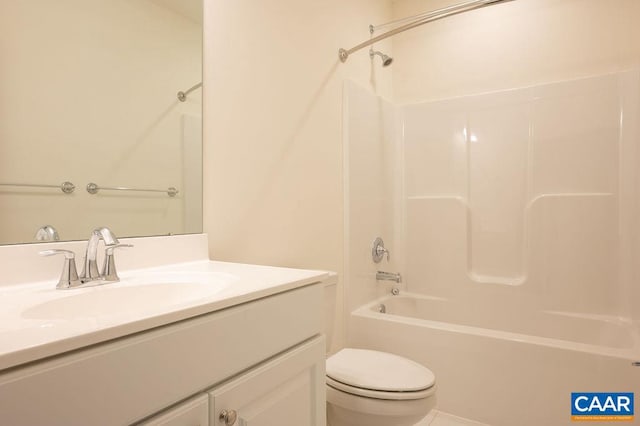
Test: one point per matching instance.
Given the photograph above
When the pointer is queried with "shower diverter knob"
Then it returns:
(378, 251)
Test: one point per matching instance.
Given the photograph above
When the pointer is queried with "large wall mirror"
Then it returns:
(89, 95)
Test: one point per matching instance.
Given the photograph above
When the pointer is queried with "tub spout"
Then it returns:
(388, 276)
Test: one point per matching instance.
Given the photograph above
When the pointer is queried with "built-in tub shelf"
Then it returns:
(487, 259)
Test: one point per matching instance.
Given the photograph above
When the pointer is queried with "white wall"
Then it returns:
(273, 126)
(89, 95)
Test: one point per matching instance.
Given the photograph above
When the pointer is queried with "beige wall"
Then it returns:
(520, 43)
(273, 134)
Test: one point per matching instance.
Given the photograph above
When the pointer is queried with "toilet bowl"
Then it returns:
(372, 388)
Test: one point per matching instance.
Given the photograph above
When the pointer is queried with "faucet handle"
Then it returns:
(68, 254)
(378, 251)
(109, 272)
(69, 277)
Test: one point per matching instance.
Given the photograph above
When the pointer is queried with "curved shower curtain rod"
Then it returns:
(182, 96)
(416, 21)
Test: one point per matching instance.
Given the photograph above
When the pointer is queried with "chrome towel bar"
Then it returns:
(93, 188)
(66, 187)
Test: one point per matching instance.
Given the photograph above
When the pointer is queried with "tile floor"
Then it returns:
(438, 418)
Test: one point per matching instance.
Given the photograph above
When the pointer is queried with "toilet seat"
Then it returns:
(380, 375)
(376, 394)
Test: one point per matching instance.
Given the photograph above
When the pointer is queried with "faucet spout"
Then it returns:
(90, 271)
(388, 276)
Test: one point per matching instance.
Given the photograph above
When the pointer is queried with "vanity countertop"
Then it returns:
(37, 321)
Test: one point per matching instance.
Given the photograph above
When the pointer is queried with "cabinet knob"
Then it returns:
(228, 417)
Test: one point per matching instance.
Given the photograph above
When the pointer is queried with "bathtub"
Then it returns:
(504, 366)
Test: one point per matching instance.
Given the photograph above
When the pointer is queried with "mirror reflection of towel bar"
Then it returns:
(66, 187)
(93, 188)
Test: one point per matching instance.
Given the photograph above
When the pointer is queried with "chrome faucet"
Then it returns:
(388, 276)
(90, 271)
(90, 274)
(47, 233)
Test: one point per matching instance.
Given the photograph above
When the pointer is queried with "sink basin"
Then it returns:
(131, 296)
(176, 277)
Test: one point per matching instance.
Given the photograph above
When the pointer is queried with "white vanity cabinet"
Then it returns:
(263, 358)
(286, 391)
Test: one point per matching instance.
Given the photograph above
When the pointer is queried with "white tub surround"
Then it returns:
(162, 334)
(512, 217)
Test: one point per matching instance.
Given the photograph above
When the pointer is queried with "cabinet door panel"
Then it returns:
(286, 391)
(286, 404)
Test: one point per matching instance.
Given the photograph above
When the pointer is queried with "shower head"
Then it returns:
(386, 60)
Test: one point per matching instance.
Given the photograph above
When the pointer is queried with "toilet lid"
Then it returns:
(378, 371)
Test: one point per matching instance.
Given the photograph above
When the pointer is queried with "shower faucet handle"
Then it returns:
(378, 251)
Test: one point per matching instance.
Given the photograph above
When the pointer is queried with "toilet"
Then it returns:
(372, 388)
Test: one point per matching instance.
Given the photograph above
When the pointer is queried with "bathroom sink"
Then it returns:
(38, 321)
(146, 293)
(177, 277)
